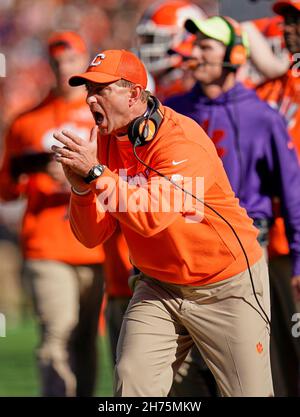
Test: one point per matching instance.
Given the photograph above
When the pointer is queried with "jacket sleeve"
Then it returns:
(154, 204)
(89, 223)
(284, 163)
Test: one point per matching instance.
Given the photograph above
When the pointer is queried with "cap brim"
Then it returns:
(95, 77)
(191, 26)
(214, 28)
(280, 7)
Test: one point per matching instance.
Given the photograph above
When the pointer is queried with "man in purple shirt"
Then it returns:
(250, 137)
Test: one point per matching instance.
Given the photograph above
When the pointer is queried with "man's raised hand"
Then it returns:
(77, 156)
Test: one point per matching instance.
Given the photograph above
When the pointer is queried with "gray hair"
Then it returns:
(144, 93)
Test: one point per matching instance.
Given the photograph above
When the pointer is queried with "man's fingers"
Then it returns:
(65, 161)
(71, 164)
(65, 140)
(66, 152)
(76, 139)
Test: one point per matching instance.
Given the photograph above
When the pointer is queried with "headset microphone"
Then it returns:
(193, 64)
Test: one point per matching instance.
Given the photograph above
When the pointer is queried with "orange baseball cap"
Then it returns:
(60, 41)
(112, 65)
(280, 6)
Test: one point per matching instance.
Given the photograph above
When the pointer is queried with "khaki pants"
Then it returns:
(163, 321)
(194, 378)
(67, 302)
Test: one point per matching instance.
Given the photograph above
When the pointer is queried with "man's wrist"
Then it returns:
(77, 192)
(95, 172)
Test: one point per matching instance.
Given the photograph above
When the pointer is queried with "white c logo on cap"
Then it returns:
(97, 60)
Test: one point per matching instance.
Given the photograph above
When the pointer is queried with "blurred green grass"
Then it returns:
(18, 371)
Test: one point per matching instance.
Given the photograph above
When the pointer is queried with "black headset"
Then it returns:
(144, 128)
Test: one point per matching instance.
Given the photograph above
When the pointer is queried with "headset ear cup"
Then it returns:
(143, 129)
(134, 130)
(238, 55)
(145, 132)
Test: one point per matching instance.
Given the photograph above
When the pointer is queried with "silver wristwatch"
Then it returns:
(95, 172)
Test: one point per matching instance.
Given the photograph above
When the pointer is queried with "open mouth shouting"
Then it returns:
(98, 117)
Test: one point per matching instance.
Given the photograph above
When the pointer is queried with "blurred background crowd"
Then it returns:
(26, 24)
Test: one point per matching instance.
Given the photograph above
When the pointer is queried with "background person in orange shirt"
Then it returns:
(65, 278)
(271, 28)
(194, 278)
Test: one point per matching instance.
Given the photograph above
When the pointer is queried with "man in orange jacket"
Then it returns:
(65, 278)
(194, 279)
